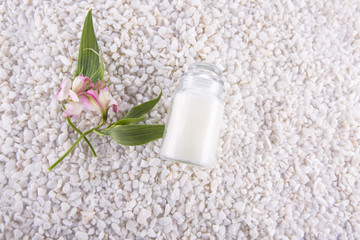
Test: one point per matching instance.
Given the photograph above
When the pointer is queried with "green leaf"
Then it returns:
(132, 135)
(89, 63)
(99, 73)
(142, 109)
(127, 121)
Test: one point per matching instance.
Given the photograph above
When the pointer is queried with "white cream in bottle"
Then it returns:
(194, 121)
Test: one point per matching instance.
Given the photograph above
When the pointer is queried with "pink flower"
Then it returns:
(73, 92)
(75, 89)
(99, 100)
(63, 93)
(73, 109)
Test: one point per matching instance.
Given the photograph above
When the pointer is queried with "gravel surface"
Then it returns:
(289, 153)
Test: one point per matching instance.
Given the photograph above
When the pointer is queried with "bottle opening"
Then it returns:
(208, 68)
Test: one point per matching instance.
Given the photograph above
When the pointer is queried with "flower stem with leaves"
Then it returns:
(86, 92)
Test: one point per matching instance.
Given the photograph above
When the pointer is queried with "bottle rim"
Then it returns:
(207, 69)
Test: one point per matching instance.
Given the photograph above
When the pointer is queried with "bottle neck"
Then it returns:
(203, 77)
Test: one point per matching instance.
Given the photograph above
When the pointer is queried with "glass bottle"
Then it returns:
(195, 117)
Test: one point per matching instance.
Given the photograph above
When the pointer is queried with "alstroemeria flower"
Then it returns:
(101, 101)
(75, 90)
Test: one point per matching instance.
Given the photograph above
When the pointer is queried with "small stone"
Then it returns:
(47, 206)
(17, 234)
(143, 216)
(157, 210)
(164, 221)
(115, 227)
(128, 215)
(154, 162)
(31, 124)
(117, 214)
(75, 195)
(3, 74)
(41, 77)
(113, 48)
(175, 194)
(167, 210)
(151, 233)
(131, 225)
(209, 30)
(65, 60)
(183, 179)
(186, 188)
(18, 207)
(100, 224)
(201, 174)
(145, 177)
(87, 216)
(83, 174)
(41, 191)
(65, 206)
(162, 31)
(239, 206)
(161, 44)
(81, 235)
(66, 188)
(62, 138)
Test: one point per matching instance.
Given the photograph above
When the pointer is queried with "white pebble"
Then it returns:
(47, 206)
(65, 60)
(186, 188)
(154, 162)
(75, 195)
(209, 30)
(201, 174)
(131, 225)
(81, 235)
(41, 191)
(100, 224)
(145, 177)
(17, 234)
(65, 207)
(143, 215)
(164, 221)
(87, 216)
(175, 194)
(151, 233)
(115, 227)
(83, 174)
(161, 44)
(18, 207)
(3, 74)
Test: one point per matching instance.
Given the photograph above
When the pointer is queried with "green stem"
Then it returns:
(79, 132)
(99, 133)
(74, 145)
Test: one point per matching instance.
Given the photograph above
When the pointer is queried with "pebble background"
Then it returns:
(289, 153)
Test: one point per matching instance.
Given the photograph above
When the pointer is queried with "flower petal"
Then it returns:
(104, 97)
(114, 105)
(73, 96)
(63, 93)
(81, 84)
(99, 85)
(77, 84)
(88, 84)
(73, 109)
(106, 100)
(91, 101)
